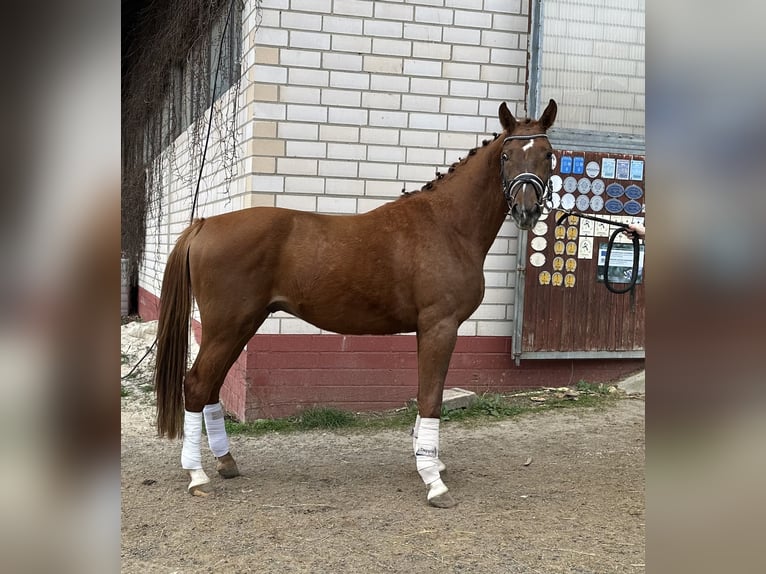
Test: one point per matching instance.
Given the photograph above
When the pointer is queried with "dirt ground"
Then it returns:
(353, 502)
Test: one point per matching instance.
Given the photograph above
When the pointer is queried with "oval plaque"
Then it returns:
(613, 205)
(632, 207)
(615, 190)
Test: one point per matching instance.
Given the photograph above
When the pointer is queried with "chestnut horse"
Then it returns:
(414, 264)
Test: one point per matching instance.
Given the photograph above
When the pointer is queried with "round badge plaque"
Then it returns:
(568, 201)
(537, 259)
(539, 243)
(597, 187)
(583, 186)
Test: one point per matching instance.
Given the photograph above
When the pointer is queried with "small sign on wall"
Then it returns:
(620, 263)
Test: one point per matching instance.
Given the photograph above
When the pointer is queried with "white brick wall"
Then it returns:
(593, 59)
(344, 102)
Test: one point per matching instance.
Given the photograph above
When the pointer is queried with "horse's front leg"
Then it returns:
(435, 346)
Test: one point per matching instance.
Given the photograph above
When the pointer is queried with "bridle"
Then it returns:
(543, 190)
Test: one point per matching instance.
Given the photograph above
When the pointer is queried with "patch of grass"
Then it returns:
(124, 359)
(124, 391)
(487, 407)
(325, 418)
(310, 419)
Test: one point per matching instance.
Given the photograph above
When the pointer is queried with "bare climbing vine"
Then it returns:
(169, 61)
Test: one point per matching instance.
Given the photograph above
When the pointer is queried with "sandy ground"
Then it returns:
(353, 502)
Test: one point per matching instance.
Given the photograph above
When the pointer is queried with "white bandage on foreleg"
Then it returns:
(216, 429)
(415, 434)
(427, 450)
(191, 458)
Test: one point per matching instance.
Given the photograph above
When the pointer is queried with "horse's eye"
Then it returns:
(504, 157)
(549, 155)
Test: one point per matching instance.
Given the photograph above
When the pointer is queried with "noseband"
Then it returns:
(511, 188)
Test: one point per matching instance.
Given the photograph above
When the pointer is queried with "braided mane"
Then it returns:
(440, 175)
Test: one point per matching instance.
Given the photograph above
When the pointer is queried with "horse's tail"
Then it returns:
(173, 336)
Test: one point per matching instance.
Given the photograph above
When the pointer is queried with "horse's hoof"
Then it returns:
(202, 490)
(443, 501)
(227, 466)
(200, 483)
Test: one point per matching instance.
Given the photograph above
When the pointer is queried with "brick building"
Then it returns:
(336, 106)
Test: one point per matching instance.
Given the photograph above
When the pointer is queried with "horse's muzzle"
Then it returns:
(525, 219)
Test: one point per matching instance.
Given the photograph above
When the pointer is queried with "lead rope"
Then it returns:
(621, 227)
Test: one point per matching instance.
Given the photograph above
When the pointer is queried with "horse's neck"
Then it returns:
(473, 197)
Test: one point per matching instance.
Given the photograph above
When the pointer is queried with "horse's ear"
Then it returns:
(549, 115)
(506, 118)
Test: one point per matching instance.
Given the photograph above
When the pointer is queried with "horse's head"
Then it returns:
(526, 164)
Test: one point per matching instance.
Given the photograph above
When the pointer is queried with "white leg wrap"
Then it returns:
(436, 488)
(198, 477)
(414, 433)
(427, 451)
(415, 430)
(216, 429)
(191, 458)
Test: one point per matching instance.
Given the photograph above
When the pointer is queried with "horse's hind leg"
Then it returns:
(218, 351)
(218, 440)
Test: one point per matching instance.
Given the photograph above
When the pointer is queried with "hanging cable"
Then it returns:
(212, 103)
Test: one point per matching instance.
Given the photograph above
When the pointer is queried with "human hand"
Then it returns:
(636, 229)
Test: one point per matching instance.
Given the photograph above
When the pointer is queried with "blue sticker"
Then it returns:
(623, 169)
(632, 207)
(637, 170)
(579, 165)
(613, 205)
(614, 190)
(566, 164)
(633, 191)
(607, 167)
